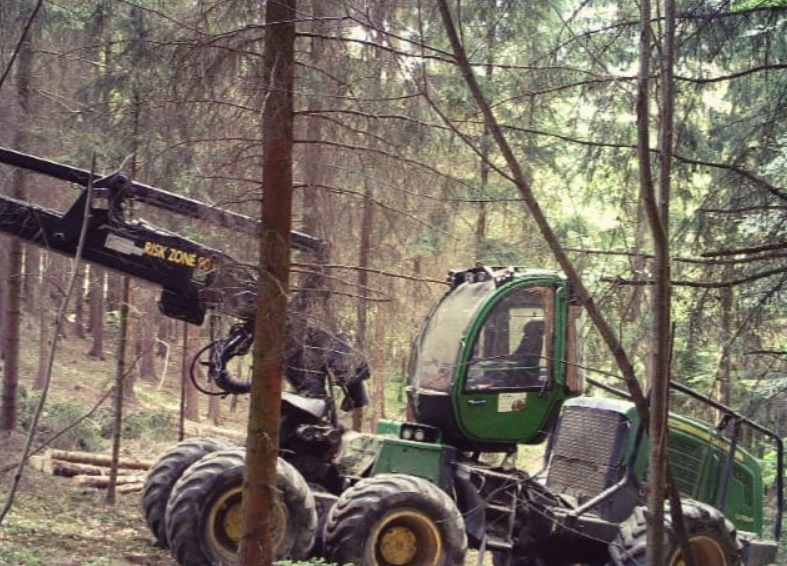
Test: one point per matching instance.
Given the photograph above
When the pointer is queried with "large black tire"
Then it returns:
(323, 500)
(163, 475)
(713, 538)
(395, 520)
(204, 522)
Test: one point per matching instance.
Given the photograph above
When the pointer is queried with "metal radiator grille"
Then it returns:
(686, 461)
(587, 455)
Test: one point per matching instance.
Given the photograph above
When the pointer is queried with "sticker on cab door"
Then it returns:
(511, 402)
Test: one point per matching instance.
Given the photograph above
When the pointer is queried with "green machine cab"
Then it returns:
(496, 358)
(495, 366)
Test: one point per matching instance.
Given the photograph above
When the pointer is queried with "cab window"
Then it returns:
(513, 349)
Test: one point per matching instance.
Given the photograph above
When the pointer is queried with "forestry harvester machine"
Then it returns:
(198, 282)
(495, 366)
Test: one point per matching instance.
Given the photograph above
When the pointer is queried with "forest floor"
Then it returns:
(54, 523)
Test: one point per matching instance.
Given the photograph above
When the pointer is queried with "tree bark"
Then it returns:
(97, 310)
(122, 370)
(14, 273)
(190, 395)
(146, 335)
(256, 547)
(214, 409)
(364, 251)
(79, 304)
(45, 334)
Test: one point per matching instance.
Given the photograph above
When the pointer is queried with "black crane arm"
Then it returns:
(194, 278)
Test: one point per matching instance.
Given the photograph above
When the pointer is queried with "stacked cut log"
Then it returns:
(200, 429)
(89, 470)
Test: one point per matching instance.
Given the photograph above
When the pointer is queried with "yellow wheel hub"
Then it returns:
(398, 545)
(280, 519)
(706, 552)
(407, 538)
(225, 524)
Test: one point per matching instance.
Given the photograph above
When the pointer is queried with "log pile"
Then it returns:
(88, 470)
(200, 429)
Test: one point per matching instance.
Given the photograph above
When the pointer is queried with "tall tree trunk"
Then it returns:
(14, 273)
(100, 276)
(97, 310)
(45, 331)
(313, 168)
(146, 335)
(262, 440)
(364, 251)
(214, 409)
(4, 245)
(79, 304)
(658, 212)
(723, 374)
(31, 282)
(491, 17)
(122, 369)
(189, 393)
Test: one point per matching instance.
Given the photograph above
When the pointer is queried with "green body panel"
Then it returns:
(513, 416)
(421, 459)
(698, 454)
(389, 428)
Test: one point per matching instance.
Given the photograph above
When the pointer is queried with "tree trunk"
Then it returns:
(364, 250)
(79, 304)
(262, 440)
(190, 395)
(30, 283)
(45, 331)
(214, 409)
(146, 336)
(723, 374)
(14, 273)
(4, 245)
(122, 370)
(97, 310)
(491, 16)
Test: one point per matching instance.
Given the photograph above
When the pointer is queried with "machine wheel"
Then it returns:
(323, 500)
(163, 475)
(204, 521)
(712, 536)
(395, 520)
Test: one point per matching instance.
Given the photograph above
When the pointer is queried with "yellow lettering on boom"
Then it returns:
(178, 257)
(155, 250)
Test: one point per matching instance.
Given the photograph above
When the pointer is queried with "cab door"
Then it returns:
(504, 389)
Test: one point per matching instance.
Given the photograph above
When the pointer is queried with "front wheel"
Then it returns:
(204, 520)
(712, 537)
(163, 476)
(395, 520)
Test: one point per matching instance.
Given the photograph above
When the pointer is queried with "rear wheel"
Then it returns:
(395, 520)
(204, 520)
(163, 476)
(713, 538)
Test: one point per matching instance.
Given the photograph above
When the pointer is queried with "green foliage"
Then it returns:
(14, 554)
(91, 433)
(494, 251)
(153, 424)
(748, 5)
(80, 433)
